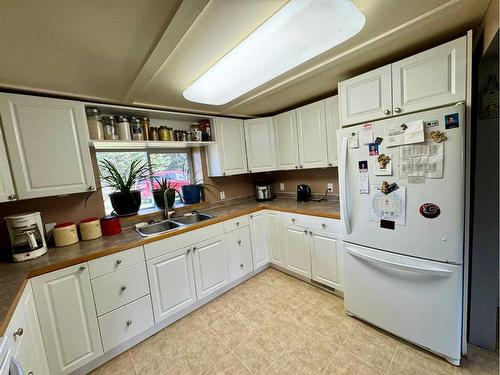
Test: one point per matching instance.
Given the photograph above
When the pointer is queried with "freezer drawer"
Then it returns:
(416, 299)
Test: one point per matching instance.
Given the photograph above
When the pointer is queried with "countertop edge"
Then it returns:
(116, 249)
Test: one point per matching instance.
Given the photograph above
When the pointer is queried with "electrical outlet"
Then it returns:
(282, 186)
(329, 187)
(222, 195)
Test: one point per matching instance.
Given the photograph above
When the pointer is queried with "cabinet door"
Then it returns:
(7, 192)
(324, 256)
(30, 352)
(296, 245)
(286, 139)
(261, 152)
(366, 97)
(47, 142)
(332, 125)
(273, 226)
(312, 135)
(258, 233)
(68, 318)
(171, 280)
(430, 79)
(228, 156)
(210, 266)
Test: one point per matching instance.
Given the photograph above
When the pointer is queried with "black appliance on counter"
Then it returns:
(303, 193)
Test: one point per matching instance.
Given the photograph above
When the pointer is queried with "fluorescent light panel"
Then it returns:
(299, 31)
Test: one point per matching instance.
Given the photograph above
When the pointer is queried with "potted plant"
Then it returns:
(191, 193)
(124, 199)
(164, 186)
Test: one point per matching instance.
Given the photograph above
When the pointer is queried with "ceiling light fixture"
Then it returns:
(299, 31)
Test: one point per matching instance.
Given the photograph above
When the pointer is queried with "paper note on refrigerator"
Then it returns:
(422, 160)
(353, 139)
(390, 206)
(404, 134)
(367, 134)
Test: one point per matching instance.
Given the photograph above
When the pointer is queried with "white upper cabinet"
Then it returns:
(312, 135)
(366, 97)
(228, 156)
(47, 143)
(7, 192)
(287, 147)
(259, 136)
(68, 318)
(332, 125)
(430, 79)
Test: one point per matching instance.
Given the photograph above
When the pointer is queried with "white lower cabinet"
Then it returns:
(325, 259)
(68, 318)
(240, 264)
(126, 322)
(298, 255)
(273, 225)
(259, 234)
(210, 266)
(171, 279)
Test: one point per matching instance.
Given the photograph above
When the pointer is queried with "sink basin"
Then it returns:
(191, 219)
(157, 228)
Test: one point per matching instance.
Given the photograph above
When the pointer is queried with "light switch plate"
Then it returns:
(222, 195)
(282, 186)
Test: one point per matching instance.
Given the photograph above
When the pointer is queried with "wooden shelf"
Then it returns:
(144, 145)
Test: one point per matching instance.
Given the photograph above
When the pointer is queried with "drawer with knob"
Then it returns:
(238, 240)
(115, 262)
(126, 322)
(119, 288)
(240, 264)
(236, 223)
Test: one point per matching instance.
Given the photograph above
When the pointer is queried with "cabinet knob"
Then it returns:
(242, 265)
(323, 225)
(330, 164)
(30, 373)
(310, 232)
(387, 112)
(12, 197)
(90, 188)
(123, 288)
(82, 268)
(397, 110)
(194, 248)
(296, 166)
(239, 242)
(301, 166)
(250, 171)
(129, 323)
(224, 173)
(237, 223)
(305, 231)
(118, 262)
(293, 220)
(188, 251)
(19, 332)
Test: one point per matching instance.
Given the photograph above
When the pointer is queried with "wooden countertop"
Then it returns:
(14, 276)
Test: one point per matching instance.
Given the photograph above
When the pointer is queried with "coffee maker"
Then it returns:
(26, 236)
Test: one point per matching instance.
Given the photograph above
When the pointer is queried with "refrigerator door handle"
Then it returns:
(344, 209)
(405, 267)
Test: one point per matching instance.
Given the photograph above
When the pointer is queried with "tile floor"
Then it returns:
(276, 324)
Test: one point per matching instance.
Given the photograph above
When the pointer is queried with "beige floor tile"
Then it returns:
(184, 331)
(371, 346)
(287, 364)
(312, 350)
(315, 295)
(478, 361)
(410, 360)
(204, 352)
(301, 311)
(213, 311)
(177, 366)
(344, 363)
(333, 324)
(254, 312)
(233, 331)
(258, 352)
(282, 329)
(120, 365)
(153, 353)
(229, 365)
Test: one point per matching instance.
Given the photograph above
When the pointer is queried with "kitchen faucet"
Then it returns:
(167, 212)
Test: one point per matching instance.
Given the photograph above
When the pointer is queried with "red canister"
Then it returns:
(110, 225)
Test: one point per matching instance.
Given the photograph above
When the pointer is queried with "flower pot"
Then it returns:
(191, 193)
(126, 203)
(160, 200)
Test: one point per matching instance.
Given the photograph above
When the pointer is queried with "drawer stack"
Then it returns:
(122, 296)
(239, 247)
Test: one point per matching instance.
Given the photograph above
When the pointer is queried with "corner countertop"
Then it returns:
(14, 276)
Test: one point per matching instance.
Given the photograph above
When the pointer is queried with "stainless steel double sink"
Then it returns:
(174, 223)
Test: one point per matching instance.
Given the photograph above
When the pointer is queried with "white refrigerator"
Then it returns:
(403, 251)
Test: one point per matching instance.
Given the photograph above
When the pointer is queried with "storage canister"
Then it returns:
(65, 234)
(123, 126)
(90, 228)
(136, 129)
(110, 131)
(94, 122)
(164, 134)
(145, 127)
(110, 225)
(153, 134)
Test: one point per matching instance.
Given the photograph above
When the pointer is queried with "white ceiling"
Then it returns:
(148, 52)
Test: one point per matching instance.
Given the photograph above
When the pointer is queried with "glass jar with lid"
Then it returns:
(123, 126)
(165, 134)
(110, 130)
(136, 129)
(145, 127)
(94, 122)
